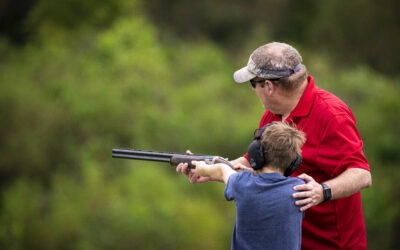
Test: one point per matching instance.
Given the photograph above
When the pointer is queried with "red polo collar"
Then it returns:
(303, 108)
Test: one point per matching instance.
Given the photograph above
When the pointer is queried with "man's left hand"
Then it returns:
(309, 194)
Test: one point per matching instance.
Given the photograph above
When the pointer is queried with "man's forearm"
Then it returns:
(349, 182)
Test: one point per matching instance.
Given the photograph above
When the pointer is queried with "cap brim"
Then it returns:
(243, 75)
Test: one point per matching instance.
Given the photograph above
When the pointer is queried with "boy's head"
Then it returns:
(277, 145)
(282, 144)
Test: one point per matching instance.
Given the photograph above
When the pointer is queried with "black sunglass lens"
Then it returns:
(253, 83)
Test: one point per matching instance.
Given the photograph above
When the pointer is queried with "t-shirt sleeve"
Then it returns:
(230, 187)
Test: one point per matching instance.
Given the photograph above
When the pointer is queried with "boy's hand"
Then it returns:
(191, 174)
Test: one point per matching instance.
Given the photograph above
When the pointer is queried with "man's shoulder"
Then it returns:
(324, 96)
(327, 105)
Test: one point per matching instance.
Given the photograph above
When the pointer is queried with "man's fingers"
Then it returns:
(300, 195)
(307, 196)
(305, 177)
(304, 208)
(303, 202)
(302, 187)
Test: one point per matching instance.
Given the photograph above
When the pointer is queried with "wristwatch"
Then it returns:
(327, 192)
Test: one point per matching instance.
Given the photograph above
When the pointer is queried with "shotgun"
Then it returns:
(173, 158)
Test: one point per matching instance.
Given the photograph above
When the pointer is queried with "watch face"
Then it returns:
(327, 192)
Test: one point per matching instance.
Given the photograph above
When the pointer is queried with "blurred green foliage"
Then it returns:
(101, 75)
(362, 31)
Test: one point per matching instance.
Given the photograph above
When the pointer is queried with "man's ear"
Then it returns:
(268, 84)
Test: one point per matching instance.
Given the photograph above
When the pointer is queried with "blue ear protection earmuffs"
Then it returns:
(256, 152)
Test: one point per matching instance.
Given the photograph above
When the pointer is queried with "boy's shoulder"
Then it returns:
(296, 181)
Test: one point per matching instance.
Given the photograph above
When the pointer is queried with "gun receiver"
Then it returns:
(173, 158)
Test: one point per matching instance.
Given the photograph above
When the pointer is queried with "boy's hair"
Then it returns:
(282, 144)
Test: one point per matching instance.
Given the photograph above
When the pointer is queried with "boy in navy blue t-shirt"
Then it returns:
(266, 214)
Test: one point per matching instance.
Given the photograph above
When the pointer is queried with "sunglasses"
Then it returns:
(254, 82)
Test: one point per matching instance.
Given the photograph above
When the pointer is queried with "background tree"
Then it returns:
(78, 78)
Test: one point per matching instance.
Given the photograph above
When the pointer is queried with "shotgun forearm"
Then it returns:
(173, 158)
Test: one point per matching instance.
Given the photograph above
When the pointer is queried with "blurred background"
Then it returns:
(80, 77)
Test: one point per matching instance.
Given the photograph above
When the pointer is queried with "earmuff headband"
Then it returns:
(256, 155)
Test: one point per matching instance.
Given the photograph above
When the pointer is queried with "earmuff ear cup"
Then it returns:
(295, 164)
(256, 155)
(255, 150)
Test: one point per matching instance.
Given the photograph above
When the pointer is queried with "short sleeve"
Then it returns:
(341, 147)
(230, 187)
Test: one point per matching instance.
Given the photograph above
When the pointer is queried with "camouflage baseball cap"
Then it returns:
(278, 66)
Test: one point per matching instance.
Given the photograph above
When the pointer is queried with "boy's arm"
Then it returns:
(240, 163)
(219, 171)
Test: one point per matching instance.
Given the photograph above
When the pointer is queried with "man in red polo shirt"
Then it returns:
(334, 166)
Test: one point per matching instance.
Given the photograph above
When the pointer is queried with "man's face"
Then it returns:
(261, 91)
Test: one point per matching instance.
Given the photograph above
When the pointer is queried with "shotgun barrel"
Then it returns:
(173, 158)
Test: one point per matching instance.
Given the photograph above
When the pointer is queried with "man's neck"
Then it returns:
(291, 100)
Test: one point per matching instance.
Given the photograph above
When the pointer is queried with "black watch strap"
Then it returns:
(326, 191)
